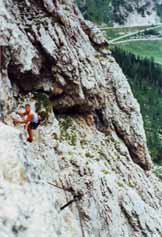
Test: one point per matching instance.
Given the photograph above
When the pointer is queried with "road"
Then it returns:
(135, 33)
(134, 40)
(125, 27)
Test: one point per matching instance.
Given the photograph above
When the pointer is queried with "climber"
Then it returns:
(1, 111)
(90, 119)
(32, 119)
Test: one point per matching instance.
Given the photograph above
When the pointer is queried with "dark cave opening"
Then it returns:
(26, 81)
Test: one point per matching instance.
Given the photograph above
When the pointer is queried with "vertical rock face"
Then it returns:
(70, 160)
(48, 48)
(50, 45)
(134, 12)
(123, 12)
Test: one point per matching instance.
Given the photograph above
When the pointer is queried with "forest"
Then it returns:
(145, 78)
(99, 11)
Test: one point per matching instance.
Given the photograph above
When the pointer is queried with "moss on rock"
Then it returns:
(43, 105)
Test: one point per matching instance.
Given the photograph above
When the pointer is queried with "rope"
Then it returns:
(76, 197)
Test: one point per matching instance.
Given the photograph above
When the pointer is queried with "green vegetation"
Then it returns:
(149, 49)
(67, 131)
(158, 172)
(145, 77)
(118, 16)
(139, 31)
(99, 11)
(140, 60)
(89, 155)
(43, 105)
(113, 33)
(120, 184)
(159, 11)
(134, 31)
(105, 171)
(109, 11)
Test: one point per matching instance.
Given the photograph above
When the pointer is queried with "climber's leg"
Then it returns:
(30, 137)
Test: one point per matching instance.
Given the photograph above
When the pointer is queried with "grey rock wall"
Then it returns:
(48, 48)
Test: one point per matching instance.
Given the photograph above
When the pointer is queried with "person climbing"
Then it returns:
(90, 119)
(32, 119)
(1, 111)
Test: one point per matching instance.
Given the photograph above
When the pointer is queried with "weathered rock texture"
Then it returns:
(117, 198)
(136, 12)
(51, 52)
(122, 12)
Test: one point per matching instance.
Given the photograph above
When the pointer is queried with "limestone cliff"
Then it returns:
(136, 12)
(60, 63)
(122, 12)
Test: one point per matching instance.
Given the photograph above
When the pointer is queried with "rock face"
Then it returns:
(133, 13)
(116, 196)
(123, 12)
(53, 58)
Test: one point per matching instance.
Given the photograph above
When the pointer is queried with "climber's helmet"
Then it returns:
(27, 108)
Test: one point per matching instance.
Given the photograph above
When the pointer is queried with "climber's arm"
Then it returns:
(21, 113)
(25, 121)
